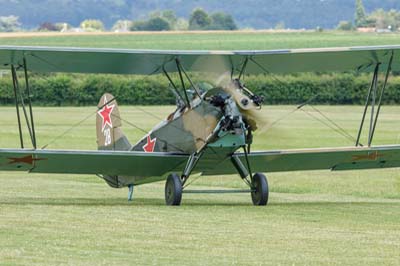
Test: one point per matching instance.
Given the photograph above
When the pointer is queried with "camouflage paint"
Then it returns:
(187, 132)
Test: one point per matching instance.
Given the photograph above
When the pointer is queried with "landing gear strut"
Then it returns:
(258, 182)
(260, 191)
(173, 190)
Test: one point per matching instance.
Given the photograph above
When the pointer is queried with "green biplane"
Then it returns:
(211, 130)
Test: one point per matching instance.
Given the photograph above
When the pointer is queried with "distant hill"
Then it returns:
(256, 14)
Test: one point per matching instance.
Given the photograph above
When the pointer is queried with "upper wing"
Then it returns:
(312, 159)
(126, 61)
(91, 162)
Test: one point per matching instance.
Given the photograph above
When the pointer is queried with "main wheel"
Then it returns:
(173, 190)
(260, 193)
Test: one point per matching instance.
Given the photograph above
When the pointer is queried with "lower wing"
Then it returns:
(158, 164)
(91, 162)
(313, 159)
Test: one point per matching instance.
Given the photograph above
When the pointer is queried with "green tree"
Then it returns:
(63, 26)
(378, 18)
(199, 20)
(222, 21)
(153, 24)
(122, 25)
(48, 26)
(138, 25)
(9, 24)
(360, 15)
(394, 17)
(169, 15)
(181, 24)
(345, 25)
(158, 24)
(384, 20)
(92, 25)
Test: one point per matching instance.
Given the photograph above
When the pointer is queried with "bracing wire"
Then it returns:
(68, 130)
(74, 126)
(337, 130)
(341, 129)
(336, 127)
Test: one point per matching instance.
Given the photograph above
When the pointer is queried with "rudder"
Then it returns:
(108, 126)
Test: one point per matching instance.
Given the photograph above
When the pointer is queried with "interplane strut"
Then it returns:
(19, 99)
(371, 101)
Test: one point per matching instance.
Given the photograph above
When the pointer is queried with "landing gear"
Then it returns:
(258, 182)
(260, 192)
(173, 190)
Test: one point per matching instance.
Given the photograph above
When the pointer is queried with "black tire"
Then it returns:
(173, 190)
(261, 191)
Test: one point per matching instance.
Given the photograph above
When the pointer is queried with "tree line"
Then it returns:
(165, 20)
(199, 20)
(82, 90)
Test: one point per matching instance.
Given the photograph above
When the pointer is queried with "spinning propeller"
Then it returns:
(248, 103)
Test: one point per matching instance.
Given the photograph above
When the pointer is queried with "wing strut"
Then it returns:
(28, 90)
(181, 70)
(20, 98)
(242, 71)
(178, 65)
(15, 86)
(171, 82)
(389, 69)
(371, 100)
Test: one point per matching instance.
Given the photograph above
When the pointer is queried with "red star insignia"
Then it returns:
(29, 159)
(105, 114)
(370, 157)
(149, 146)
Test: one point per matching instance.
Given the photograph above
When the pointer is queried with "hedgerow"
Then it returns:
(82, 90)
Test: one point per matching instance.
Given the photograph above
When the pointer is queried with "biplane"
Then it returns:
(211, 130)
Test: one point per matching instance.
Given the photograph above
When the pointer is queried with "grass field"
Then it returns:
(217, 41)
(314, 218)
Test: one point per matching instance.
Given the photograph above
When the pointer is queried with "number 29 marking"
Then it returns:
(107, 136)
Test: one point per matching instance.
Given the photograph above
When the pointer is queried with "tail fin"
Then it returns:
(108, 126)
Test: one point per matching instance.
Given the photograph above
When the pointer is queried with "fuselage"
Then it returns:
(215, 123)
(189, 128)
